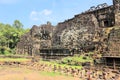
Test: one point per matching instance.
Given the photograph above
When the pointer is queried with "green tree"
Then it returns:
(10, 35)
(17, 24)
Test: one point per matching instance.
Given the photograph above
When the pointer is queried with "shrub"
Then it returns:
(84, 57)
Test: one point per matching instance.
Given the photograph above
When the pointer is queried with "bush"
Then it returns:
(84, 57)
(2, 50)
(75, 60)
(5, 51)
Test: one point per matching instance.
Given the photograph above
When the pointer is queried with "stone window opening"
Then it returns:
(107, 23)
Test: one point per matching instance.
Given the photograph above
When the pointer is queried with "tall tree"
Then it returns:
(17, 24)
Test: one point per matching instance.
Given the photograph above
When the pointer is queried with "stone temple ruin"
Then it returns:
(112, 57)
(91, 30)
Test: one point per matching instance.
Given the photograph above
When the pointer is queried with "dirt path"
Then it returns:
(9, 73)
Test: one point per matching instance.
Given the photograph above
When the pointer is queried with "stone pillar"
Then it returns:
(114, 64)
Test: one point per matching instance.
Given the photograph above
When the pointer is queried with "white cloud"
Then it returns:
(8, 1)
(42, 16)
(46, 12)
(34, 15)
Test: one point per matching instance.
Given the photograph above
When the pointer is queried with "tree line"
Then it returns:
(10, 35)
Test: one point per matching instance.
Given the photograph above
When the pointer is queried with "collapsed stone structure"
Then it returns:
(84, 32)
(35, 39)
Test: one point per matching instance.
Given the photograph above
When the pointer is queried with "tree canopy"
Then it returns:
(10, 35)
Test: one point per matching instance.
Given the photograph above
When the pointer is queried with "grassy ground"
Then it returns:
(14, 59)
(65, 62)
(78, 59)
(27, 71)
(44, 73)
(10, 73)
(26, 74)
(74, 61)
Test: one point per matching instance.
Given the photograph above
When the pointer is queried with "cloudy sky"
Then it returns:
(37, 12)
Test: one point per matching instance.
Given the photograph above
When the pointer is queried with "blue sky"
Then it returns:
(36, 12)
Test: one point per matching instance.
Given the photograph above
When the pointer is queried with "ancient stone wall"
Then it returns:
(114, 43)
(38, 37)
(81, 30)
(84, 31)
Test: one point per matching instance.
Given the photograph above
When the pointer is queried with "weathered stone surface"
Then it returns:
(84, 32)
(38, 37)
(114, 43)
